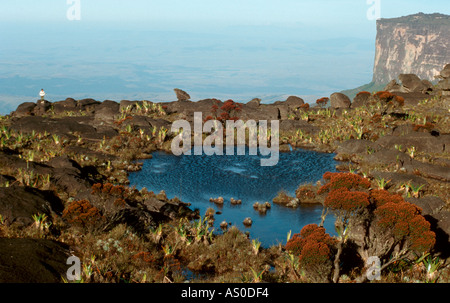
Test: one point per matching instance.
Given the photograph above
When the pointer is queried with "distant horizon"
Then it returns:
(144, 49)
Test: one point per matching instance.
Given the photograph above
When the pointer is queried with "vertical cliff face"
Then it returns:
(417, 44)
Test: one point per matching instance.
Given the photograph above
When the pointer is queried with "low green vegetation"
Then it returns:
(191, 249)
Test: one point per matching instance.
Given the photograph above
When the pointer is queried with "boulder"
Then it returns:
(235, 201)
(444, 85)
(42, 107)
(186, 109)
(423, 142)
(412, 83)
(262, 112)
(65, 174)
(397, 179)
(339, 100)
(107, 111)
(87, 105)
(218, 201)
(24, 109)
(429, 170)
(429, 86)
(248, 222)
(295, 125)
(440, 224)
(393, 86)
(361, 99)
(60, 126)
(430, 205)
(162, 196)
(254, 102)
(384, 157)
(445, 73)
(224, 225)
(4, 179)
(19, 204)
(402, 130)
(294, 101)
(262, 207)
(33, 260)
(67, 105)
(139, 220)
(65, 163)
(411, 98)
(354, 146)
(69, 177)
(182, 95)
(127, 103)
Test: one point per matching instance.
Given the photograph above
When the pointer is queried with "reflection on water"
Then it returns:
(196, 179)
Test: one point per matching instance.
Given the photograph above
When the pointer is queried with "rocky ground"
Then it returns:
(64, 166)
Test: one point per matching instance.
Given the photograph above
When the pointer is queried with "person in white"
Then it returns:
(42, 94)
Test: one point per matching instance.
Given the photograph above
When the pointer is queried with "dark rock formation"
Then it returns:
(106, 111)
(83, 126)
(254, 102)
(412, 83)
(32, 261)
(430, 205)
(422, 142)
(66, 175)
(409, 83)
(19, 204)
(294, 101)
(339, 100)
(444, 84)
(445, 73)
(24, 109)
(354, 146)
(361, 99)
(182, 95)
(295, 125)
(397, 179)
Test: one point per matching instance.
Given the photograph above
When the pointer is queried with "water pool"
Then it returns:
(196, 179)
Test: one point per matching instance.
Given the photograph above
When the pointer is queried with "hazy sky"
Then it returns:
(230, 12)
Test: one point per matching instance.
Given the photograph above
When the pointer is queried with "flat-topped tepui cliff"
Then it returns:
(416, 44)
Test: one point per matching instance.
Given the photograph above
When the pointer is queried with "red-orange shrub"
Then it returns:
(363, 93)
(376, 118)
(400, 100)
(381, 196)
(301, 244)
(120, 202)
(117, 190)
(107, 188)
(383, 95)
(229, 110)
(388, 100)
(97, 188)
(424, 127)
(82, 213)
(144, 256)
(304, 106)
(110, 189)
(343, 180)
(322, 101)
(405, 222)
(314, 249)
(208, 118)
(345, 200)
